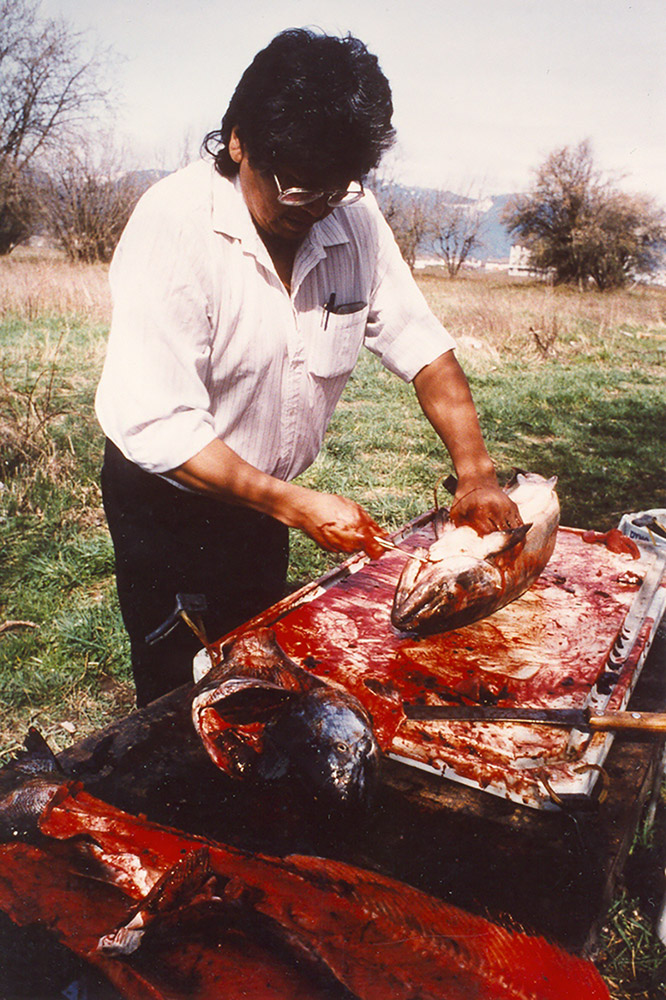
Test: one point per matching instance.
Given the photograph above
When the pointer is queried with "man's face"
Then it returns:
(286, 222)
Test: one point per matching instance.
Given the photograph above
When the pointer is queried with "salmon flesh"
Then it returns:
(464, 576)
(377, 937)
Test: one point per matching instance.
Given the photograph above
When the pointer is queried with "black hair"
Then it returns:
(314, 102)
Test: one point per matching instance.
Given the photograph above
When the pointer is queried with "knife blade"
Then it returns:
(572, 718)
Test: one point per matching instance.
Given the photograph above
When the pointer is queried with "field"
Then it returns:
(566, 384)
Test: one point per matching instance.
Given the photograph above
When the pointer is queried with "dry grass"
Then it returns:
(494, 316)
(36, 283)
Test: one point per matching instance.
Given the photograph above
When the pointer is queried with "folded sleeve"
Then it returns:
(152, 400)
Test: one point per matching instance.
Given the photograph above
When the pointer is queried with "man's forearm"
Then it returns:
(447, 402)
(334, 522)
(219, 471)
(444, 394)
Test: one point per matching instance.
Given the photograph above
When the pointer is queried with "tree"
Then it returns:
(456, 226)
(407, 212)
(447, 224)
(49, 88)
(88, 198)
(579, 226)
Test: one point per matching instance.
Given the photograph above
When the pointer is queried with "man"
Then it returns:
(244, 289)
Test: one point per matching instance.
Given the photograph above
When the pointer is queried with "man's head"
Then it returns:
(312, 106)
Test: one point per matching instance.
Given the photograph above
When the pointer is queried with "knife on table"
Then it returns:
(585, 719)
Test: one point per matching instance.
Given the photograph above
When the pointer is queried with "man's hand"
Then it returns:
(334, 522)
(340, 525)
(444, 395)
(485, 507)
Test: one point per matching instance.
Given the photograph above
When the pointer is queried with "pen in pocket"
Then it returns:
(328, 308)
(344, 309)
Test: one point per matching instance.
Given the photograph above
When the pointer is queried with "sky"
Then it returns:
(483, 90)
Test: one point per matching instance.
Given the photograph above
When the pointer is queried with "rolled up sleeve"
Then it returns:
(152, 400)
(402, 330)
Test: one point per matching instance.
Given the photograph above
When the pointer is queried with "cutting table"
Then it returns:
(498, 819)
(577, 639)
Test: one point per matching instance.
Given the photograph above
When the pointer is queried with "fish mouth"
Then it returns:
(230, 718)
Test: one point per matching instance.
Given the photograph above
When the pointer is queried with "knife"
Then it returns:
(584, 719)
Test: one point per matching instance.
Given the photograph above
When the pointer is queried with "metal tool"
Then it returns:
(387, 544)
(189, 608)
(572, 718)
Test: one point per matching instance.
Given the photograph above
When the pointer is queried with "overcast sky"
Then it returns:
(483, 89)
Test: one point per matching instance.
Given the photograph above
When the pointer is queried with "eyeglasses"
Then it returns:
(303, 196)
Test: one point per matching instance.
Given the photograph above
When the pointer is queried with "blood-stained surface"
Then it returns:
(290, 928)
(549, 648)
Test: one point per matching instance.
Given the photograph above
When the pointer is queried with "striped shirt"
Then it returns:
(207, 342)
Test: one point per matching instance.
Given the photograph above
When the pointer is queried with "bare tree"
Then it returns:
(577, 224)
(407, 212)
(49, 88)
(89, 196)
(456, 227)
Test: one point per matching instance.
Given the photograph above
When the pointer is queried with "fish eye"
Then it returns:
(341, 747)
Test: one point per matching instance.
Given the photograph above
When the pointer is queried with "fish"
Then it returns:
(464, 577)
(29, 782)
(377, 936)
(263, 718)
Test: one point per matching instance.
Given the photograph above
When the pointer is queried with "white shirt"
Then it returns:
(207, 342)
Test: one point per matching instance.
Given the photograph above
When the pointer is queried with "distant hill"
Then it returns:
(496, 238)
(495, 242)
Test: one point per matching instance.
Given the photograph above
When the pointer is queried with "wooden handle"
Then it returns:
(651, 722)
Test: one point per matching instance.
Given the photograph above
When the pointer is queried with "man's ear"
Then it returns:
(235, 147)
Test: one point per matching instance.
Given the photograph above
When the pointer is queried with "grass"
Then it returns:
(566, 384)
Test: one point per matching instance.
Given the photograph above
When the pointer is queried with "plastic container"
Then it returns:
(646, 526)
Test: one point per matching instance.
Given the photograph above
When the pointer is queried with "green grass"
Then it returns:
(590, 410)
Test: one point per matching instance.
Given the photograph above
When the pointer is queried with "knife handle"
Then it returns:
(650, 722)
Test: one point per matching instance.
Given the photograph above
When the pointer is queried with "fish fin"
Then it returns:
(514, 539)
(520, 477)
(517, 475)
(439, 521)
(36, 745)
(37, 758)
(186, 883)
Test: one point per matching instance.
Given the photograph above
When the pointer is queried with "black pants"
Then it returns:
(168, 541)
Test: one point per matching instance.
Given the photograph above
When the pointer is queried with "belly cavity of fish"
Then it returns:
(465, 577)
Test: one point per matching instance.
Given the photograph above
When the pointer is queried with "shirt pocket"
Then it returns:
(334, 346)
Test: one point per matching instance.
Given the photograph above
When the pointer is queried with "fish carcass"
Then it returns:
(174, 893)
(27, 785)
(262, 717)
(464, 576)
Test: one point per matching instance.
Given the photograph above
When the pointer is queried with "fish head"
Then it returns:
(230, 717)
(435, 596)
(325, 744)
